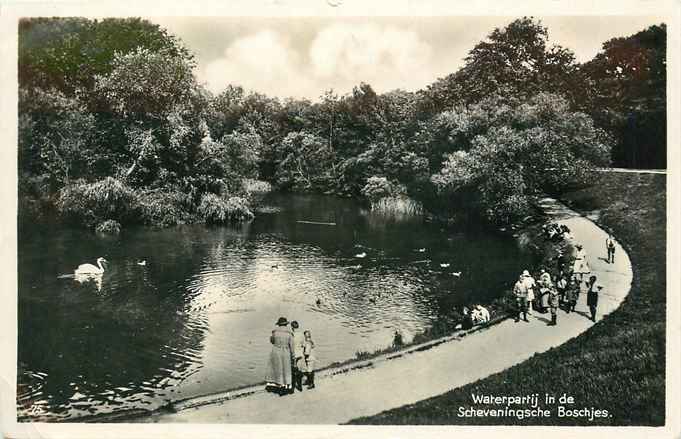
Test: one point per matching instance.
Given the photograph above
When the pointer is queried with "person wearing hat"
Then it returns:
(520, 293)
(594, 289)
(581, 266)
(279, 377)
(545, 285)
(530, 285)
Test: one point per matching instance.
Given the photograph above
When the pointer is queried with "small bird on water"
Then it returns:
(142, 263)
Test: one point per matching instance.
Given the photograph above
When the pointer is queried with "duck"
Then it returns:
(91, 269)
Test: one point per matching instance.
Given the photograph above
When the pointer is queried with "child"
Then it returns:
(308, 354)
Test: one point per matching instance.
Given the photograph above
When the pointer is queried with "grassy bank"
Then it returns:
(619, 364)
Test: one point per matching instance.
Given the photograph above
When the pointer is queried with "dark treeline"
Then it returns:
(114, 128)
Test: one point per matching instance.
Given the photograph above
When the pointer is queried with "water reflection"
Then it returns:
(196, 317)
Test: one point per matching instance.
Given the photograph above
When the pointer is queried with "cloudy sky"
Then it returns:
(303, 57)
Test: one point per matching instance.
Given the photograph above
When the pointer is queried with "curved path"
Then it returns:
(385, 385)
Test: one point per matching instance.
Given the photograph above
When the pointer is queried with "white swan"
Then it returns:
(142, 263)
(444, 265)
(91, 269)
(361, 255)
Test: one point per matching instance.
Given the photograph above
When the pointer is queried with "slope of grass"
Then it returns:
(618, 364)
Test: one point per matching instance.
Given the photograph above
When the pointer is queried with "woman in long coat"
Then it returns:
(279, 367)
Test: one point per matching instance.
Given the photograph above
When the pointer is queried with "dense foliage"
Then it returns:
(117, 100)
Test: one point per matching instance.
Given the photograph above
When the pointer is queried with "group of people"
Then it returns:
(291, 359)
(549, 293)
(475, 316)
(556, 232)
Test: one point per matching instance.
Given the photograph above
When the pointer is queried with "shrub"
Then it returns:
(255, 190)
(92, 203)
(161, 208)
(377, 188)
(216, 210)
(110, 227)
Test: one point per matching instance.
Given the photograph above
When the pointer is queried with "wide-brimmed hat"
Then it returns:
(282, 321)
(526, 273)
(579, 246)
(599, 286)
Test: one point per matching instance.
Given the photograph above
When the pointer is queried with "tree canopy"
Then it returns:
(114, 104)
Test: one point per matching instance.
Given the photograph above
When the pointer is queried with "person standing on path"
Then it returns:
(298, 360)
(530, 285)
(553, 305)
(545, 286)
(561, 286)
(592, 293)
(571, 295)
(520, 293)
(309, 359)
(279, 368)
(581, 266)
(610, 248)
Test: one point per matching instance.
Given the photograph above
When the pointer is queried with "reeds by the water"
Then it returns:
(397, 206)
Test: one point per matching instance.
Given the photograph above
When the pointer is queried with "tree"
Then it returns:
(517, 61)
(507, 156)
(68, 53)
(56, 136)
(629, 76)
(306, 162)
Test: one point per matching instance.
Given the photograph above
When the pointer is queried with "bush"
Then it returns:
(216, 210)
(255, 190)
(92, 203)
(110, 227)
(163, 209)
(377, 188)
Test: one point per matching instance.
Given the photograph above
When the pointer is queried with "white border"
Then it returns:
(11, 11)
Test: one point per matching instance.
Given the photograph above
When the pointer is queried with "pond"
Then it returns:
(196, 317)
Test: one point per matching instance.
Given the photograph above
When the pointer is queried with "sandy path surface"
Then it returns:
(420, 375)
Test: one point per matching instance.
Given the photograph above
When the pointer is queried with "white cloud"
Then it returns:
(340, 56)
(384, 56)
(263, 62)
